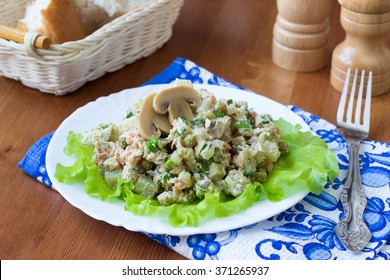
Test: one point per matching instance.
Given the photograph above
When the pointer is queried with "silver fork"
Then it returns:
(352, 230)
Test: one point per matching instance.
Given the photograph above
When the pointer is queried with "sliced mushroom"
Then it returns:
(149, 122)
(177, 101)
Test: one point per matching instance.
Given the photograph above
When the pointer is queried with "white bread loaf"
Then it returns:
(70, 20)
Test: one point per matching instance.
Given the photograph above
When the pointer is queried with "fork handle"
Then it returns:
(352, 230)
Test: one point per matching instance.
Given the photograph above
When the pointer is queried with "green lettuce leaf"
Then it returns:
(83, 169)
(78, 171)
(308, 164)
(294, 171)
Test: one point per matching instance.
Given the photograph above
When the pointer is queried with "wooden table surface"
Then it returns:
(226, 37)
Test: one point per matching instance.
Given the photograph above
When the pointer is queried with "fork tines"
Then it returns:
(350, 121)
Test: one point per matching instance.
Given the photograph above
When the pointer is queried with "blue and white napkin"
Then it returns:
(306, 230)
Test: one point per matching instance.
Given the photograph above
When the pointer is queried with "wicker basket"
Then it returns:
(65, 67)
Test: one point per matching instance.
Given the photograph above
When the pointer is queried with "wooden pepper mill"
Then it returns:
(366, 23)
(300, 35)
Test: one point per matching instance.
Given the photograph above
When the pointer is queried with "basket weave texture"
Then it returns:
(65, 67)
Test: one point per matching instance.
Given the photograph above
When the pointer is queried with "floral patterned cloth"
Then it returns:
(306, 230)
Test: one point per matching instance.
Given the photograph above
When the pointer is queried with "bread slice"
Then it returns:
(70, 20)
(56, 19)
(61, 22)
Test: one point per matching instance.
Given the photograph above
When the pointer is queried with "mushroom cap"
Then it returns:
(180, 94)
(178, 108)
(149, 122)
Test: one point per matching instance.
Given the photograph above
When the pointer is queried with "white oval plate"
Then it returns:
(113, 108)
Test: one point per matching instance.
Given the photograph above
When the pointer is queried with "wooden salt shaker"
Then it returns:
(366, 23)
(300, 35)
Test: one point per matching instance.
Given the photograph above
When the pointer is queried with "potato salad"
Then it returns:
(224, 146)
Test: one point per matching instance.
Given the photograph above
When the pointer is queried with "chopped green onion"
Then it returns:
(203, 147)
(219, 114)
(265, 119)
(129, 114)
(168, 162)
(153, 145)
(229, 101)
(181, 132)
(164, 180)
(166, 177)
(202, 168)
(243, 124)
(197, 122)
